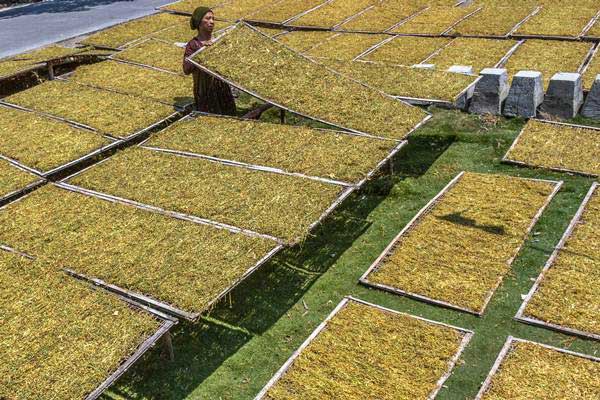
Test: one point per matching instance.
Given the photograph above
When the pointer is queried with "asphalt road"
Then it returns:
(34, 25)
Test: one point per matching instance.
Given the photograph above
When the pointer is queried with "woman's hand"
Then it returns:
(206, 43)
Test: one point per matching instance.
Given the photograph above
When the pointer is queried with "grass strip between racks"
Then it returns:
(282, 10)
(259, 64)
(61, 338)
(406, 50)
(278, 205)
(13, 178)
(155, 53)
(569, 294)
(328, 154)
(345, 46)
(548, 57)
(477, 53)
(496, 20)
(459, 250)
(554, 146)
(559, 20)
(137, 81)
(332, 13)
(177, 262)
(531, 371)
(365, 352)
(43, 143)
(403, 81)
(114, 113)
(435, 20)
(122, 34)
(383, 16)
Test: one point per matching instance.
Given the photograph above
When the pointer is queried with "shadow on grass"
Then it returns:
(199, 349)
(268, 294)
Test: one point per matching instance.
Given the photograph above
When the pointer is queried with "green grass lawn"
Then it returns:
(235, 351)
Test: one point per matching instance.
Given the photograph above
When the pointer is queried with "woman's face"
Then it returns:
(208, 22)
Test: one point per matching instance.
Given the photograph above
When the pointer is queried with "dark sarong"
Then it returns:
(210, 94)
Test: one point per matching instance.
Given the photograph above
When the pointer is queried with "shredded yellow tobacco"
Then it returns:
(459, 250)
(177, 262)
(13, 178)
(60, 337)
(494, 19)
(155, 53)
(406, 50)
(137, 81)
(42, 143)
(435, 20)
(548, 57)
(261, 65)
(367, 353)
(279, 205)
(403, 81)
(559, 20)
(383, 16)
(109, 112)
(569, 294)
(332, 13)
(557, 146)
(280, 11)
(531, 371)
(477, 53)
(345, 46)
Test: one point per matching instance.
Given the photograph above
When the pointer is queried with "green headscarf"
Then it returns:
(197, 16)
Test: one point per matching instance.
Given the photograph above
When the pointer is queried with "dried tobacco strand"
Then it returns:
(43, 143)
(365, 352)
(531, 371)
(177, 262)
(460, 249)
(261, 65)
(324, 153)
(53, 326)
(569, 294)
(557, 146)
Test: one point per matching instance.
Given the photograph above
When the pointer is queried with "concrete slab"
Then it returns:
(591, 107)
(564, 96)
(525, 95)
(490, 92)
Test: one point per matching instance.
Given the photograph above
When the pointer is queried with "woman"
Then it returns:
(210, 94)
